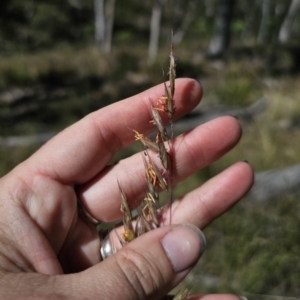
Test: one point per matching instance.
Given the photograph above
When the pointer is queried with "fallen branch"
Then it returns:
(274, 183)
(198, 117)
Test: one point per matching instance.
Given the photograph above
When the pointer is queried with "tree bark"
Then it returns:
(155, 30)
(221, 39)
(287, 24)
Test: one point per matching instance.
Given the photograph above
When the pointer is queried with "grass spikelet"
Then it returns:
(128, 235)
(153, 174)
(142, 225)
(145, 140)
(163, 153)
(159, 124)
(166, 102)
(151, 205)
(172, 69)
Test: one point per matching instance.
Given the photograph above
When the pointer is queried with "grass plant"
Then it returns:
(158, 177)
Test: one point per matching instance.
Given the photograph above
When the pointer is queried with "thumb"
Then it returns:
(147, 268)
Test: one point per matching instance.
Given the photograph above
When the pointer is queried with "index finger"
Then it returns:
(78, 153)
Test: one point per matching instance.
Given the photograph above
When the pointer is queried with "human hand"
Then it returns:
(48, 249)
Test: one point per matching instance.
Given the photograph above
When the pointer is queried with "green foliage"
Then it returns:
(237, 26)
(124, 36)
(203, 27)
(235, 91)
(16, 75)
(36, 24)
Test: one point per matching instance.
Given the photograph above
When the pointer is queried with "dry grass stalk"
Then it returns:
(129, 234)
(184, 292)
(182, 295)
(158, 178)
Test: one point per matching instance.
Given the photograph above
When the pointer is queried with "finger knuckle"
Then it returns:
(142, 275)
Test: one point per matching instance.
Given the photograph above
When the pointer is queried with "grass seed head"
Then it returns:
(169, 103)
(159, 124)
(145, 140)
(163, 153)
(142, 225)
(128, 234)
(172, 70)
(154, 176)
(151, 205)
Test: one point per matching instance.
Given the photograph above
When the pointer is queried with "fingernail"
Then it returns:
(184, 245)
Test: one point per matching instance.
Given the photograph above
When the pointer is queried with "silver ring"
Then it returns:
(106, 249)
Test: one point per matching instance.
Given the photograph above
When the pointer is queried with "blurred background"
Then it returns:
(60, 60)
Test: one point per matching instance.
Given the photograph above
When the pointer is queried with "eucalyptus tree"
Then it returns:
(221, 38)
(155, 29)
(104, 20)
(287, 24)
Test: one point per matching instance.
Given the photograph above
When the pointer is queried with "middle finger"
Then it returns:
(192, 151)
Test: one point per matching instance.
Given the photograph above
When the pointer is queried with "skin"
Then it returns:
(48, 250)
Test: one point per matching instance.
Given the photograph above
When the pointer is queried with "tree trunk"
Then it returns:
(281, 11)
(221, 39)
(109, 22)
(287, 24)
(209, 8)
(99, 23)
(267, 22)
(250, 22)
(104, 20)
(155, 30)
